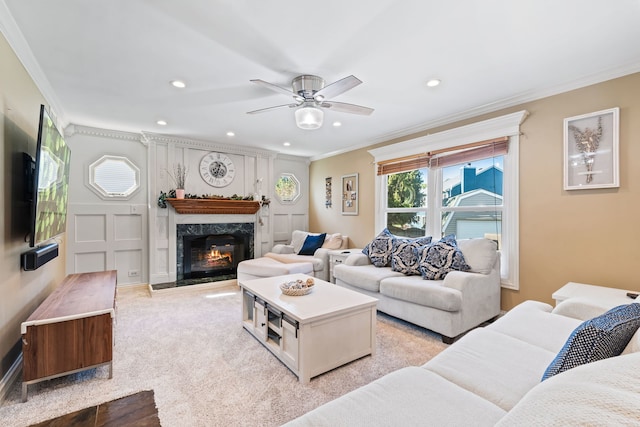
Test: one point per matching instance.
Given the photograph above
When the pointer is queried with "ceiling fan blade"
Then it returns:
(278, 89)
(347, 108)
(263, 110)
(336, 88)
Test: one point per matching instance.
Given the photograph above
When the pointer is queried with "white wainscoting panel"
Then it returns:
(108, 237)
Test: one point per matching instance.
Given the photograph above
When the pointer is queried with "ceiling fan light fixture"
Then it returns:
(309, 118)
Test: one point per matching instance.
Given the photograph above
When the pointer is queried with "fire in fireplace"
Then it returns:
(212, 250)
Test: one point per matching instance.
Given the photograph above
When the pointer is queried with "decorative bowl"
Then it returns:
(297, 287)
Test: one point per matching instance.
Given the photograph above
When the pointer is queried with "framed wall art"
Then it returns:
(591, 143)
(350, 194)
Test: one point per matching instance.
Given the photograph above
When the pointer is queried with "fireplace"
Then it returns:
(212, 251)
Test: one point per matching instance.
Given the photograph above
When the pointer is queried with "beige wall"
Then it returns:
(586, 236)
(20, 292)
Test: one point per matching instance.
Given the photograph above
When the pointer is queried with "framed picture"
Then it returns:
(591, 143)
(350, 194)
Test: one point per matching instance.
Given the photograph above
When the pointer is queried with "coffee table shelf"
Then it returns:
(311, 334)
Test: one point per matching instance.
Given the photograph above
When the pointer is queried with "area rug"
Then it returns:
(136, 410)
(205, 370)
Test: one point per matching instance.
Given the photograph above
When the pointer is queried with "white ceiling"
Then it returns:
(108, 64)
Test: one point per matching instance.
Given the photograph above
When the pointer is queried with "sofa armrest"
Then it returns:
(461, 280)
(581, 308)
(282, 249)
(322, 254)
(357, 259)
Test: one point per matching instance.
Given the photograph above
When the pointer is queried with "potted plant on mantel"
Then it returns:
(179, 176)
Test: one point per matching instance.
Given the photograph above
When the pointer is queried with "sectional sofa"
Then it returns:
(492, 377)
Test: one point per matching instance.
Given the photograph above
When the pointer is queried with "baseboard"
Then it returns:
(10, 378)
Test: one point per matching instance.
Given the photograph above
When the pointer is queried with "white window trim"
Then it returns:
(507, 125)
(97, 189)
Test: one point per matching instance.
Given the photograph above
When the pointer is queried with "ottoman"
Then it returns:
(267, 267)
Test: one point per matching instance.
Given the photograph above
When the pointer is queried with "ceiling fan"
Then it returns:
(311, 96)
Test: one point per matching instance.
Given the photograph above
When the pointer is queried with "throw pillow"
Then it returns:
(437, 259)
(379, 250)
(599, 338)
(333, 241)
(312, 243)
(403, 256)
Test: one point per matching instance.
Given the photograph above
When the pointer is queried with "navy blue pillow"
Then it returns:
(599, 338)
(312, 243)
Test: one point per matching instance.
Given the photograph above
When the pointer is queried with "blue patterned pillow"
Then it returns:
(596, 339)
(403, 256)
(437, 259)
(379, 250)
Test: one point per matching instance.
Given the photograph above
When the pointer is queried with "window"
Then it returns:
(114, 177)
(287, 188)
(447, 183)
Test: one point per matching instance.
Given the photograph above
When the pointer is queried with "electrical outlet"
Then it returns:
(134, 273)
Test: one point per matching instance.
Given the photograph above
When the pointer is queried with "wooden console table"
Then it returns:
(72, 330)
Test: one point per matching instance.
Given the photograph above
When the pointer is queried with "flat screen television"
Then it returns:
(50, 183)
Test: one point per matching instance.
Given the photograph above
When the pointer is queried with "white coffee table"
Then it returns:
(310, 334)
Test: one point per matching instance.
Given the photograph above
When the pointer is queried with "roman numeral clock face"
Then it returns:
(217, 169)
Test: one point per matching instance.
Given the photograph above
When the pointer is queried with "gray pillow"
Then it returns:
(403, 255)
(599, 338)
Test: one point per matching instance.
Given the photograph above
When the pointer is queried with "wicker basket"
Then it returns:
(294, 289)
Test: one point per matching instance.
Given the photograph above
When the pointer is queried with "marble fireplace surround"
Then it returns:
(221, 220)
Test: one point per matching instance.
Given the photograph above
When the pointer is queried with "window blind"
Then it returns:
(446, 156)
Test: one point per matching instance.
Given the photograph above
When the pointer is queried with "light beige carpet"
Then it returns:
(206, 370)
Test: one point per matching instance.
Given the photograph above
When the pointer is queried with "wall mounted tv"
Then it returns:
(48, 217)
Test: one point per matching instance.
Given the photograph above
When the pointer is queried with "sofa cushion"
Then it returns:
(492, 365)
(439, 258)
(597, 394)
(297, 239)
(380, 248)
(479, 254)
(599, 338)
(365, 277)
(404, 258)
(410, 396)
(427, 293)
(312, 243)
(550, 331)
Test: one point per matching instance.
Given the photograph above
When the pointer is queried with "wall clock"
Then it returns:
(217, 169)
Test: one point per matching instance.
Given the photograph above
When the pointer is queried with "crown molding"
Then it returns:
(209, 145)
(74, 129)
(9, 28)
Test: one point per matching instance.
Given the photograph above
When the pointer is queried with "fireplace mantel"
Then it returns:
(214, 206)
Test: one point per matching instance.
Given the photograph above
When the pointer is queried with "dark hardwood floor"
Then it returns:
(135, 410)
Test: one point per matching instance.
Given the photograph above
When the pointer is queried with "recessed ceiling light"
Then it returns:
(286, 143)
(231, 133)
(162, 122)
(179, 84)
(433, 82)
(337, 124)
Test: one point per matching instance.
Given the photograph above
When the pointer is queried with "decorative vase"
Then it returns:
(180, 193)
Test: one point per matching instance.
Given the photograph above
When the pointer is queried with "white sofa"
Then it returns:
(450, 307)
(288, 253)
(492, 376)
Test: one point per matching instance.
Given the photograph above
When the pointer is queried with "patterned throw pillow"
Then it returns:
(437, 259)
(403, 255)
(596, 339)
(379, 250)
